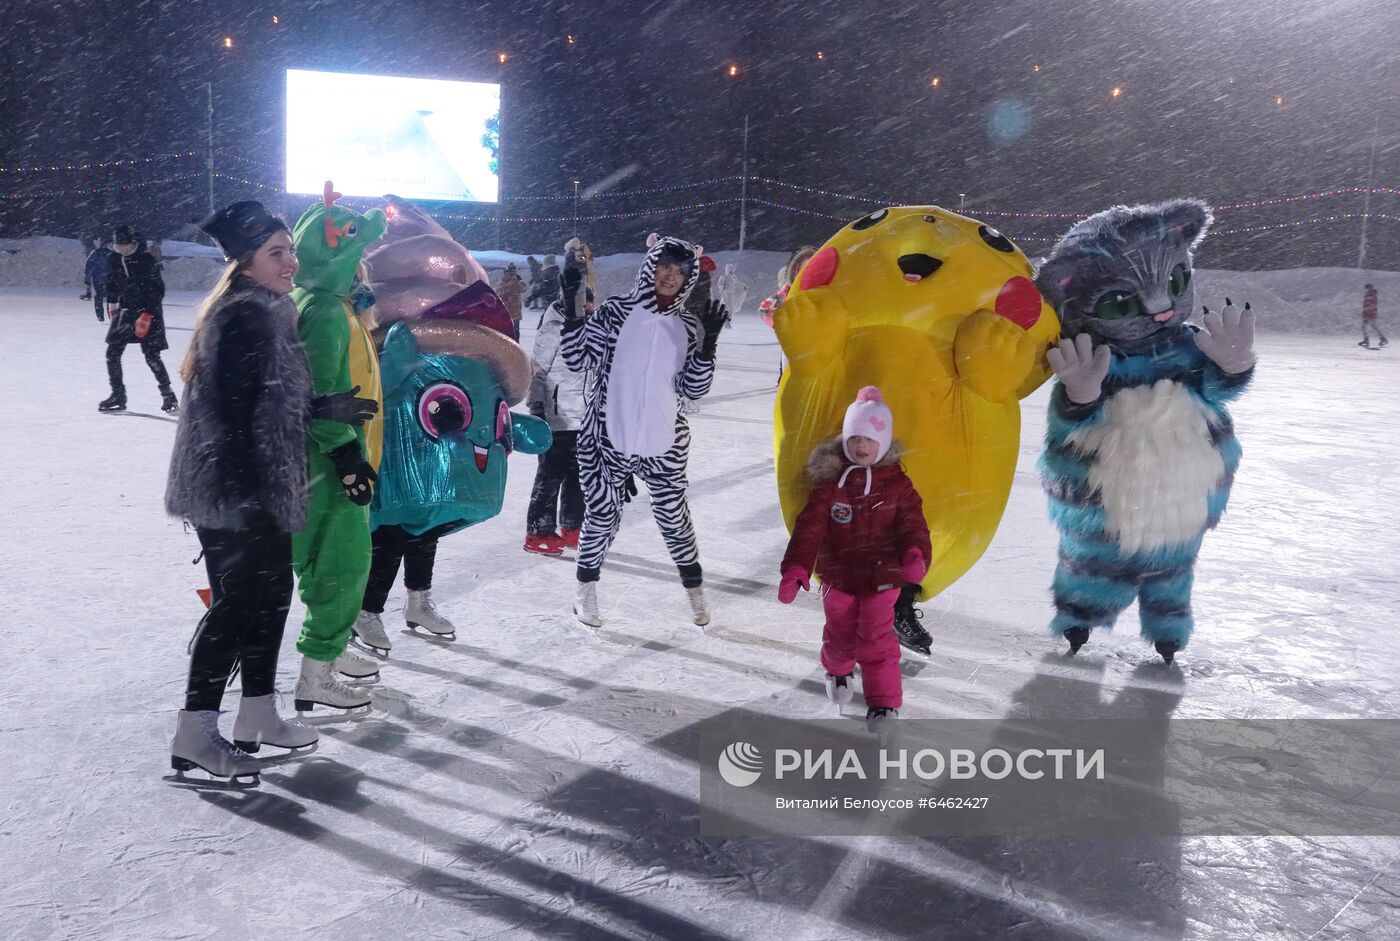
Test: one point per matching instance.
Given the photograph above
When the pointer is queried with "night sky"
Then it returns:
(642, 99)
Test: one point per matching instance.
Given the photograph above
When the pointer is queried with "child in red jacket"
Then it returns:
(863, 533)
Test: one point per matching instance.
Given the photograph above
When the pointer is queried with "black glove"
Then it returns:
(712, 320)
(569, 303)
(629, 489)
(349, 462)
(344, 407)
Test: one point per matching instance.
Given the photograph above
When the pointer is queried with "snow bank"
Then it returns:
(1295, 300)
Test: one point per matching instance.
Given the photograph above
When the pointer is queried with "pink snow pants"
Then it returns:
(860, 629)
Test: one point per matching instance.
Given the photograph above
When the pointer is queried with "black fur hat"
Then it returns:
(241, 228)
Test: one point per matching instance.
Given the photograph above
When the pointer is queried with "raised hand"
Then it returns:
(712, 320)
(1080, 367)
(1228, 338)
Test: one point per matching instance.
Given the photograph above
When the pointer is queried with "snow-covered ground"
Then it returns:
(535, 780)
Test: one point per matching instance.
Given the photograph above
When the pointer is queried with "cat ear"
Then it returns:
(1188, 219)
(653, 238)
(1054, 277)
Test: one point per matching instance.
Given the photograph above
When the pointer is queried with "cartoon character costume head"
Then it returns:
(940, 312)
(1139, 461)
(451, 370)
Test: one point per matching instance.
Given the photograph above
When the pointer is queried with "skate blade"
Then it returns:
(291, 754)
(353, 679)
(380, 652)
(431, 635)
(183, 766)
(912, 648)
(307, 705)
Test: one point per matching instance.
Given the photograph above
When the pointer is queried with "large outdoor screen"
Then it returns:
(419, 138)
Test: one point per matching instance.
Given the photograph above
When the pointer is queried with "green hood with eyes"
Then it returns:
(331, 267)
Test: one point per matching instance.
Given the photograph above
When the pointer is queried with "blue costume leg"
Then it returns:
(1165, 606)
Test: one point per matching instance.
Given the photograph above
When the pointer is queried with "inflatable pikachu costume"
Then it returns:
(940, 312)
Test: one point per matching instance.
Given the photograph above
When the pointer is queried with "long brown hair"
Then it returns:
(221, 289)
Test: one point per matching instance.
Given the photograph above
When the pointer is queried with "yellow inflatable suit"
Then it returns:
(940, 312)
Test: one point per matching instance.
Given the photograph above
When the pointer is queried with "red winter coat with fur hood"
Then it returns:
(854, 539)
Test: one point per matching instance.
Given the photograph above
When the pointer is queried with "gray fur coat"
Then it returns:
(240, 451)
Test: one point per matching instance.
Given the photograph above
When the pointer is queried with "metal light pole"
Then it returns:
(209, 126)
(744, 189)
(962, 202)
(575, 208)
(1366, 207)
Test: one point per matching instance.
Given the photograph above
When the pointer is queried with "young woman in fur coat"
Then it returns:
(238, 474)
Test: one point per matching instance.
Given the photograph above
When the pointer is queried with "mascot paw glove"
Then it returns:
(1228, 338)
(1080, 367)
(913, 568)
(356, 476)
(793, 579)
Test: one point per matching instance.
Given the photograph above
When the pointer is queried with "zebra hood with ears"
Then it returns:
(672, 249)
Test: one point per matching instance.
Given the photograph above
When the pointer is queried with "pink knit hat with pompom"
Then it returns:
(870, 417)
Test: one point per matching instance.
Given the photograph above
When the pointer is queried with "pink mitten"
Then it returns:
(913, 568)
(793, 579)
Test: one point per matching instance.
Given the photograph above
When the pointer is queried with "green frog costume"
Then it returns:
(331, 556)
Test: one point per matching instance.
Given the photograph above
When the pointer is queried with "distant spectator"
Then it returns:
(95, 274)
(511, 290)
(1370, 318)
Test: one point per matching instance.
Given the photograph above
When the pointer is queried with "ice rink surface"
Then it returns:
(535, 779)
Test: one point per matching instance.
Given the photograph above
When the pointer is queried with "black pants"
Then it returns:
(556, 488)
(99, 300)
(114, 366)
(392, 545)
(250, 580)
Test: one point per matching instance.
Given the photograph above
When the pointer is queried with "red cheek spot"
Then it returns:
(1019, 302)
(821, 270)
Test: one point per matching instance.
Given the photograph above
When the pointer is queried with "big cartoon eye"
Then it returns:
(505, 431)
(444, 409)
(995, 239)
(351, 229)
(1115, 305)
(1180, 280)
(875, 218)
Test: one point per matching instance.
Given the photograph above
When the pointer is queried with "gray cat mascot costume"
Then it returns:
(1140, 450)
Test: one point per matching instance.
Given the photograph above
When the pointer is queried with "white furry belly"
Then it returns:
(1153, 465)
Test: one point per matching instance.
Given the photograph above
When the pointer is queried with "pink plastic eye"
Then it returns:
(443, 409)
(505, 434)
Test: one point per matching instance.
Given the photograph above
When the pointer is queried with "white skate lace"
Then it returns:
(211, 729)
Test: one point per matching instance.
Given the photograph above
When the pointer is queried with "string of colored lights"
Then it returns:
(124, 162)
(92, 190)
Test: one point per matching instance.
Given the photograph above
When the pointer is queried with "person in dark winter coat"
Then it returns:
(95, 274)
(545, 291)
(1370, 318)
(135, 292)
(238, 474)
(511, 291)
(554, 520)
(863, 532)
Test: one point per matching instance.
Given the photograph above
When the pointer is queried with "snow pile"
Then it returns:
(1295, 300)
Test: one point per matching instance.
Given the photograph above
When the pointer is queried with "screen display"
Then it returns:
(419, 138)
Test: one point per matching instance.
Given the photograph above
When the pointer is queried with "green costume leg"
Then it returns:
(331, 557)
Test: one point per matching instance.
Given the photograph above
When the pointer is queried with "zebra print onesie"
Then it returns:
(591, 345)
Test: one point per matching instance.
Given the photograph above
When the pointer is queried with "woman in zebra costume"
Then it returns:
(644, 353)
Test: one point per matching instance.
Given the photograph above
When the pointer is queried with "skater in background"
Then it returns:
(1370, 318)
(89, 246)
(786, 277)
(549, 281)
(554, 520)
(95, 275)
(135, 293)
(733, 292)
(238, 474)
(863, 532)
(645, 354)
(511, 290)
(534, 283)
